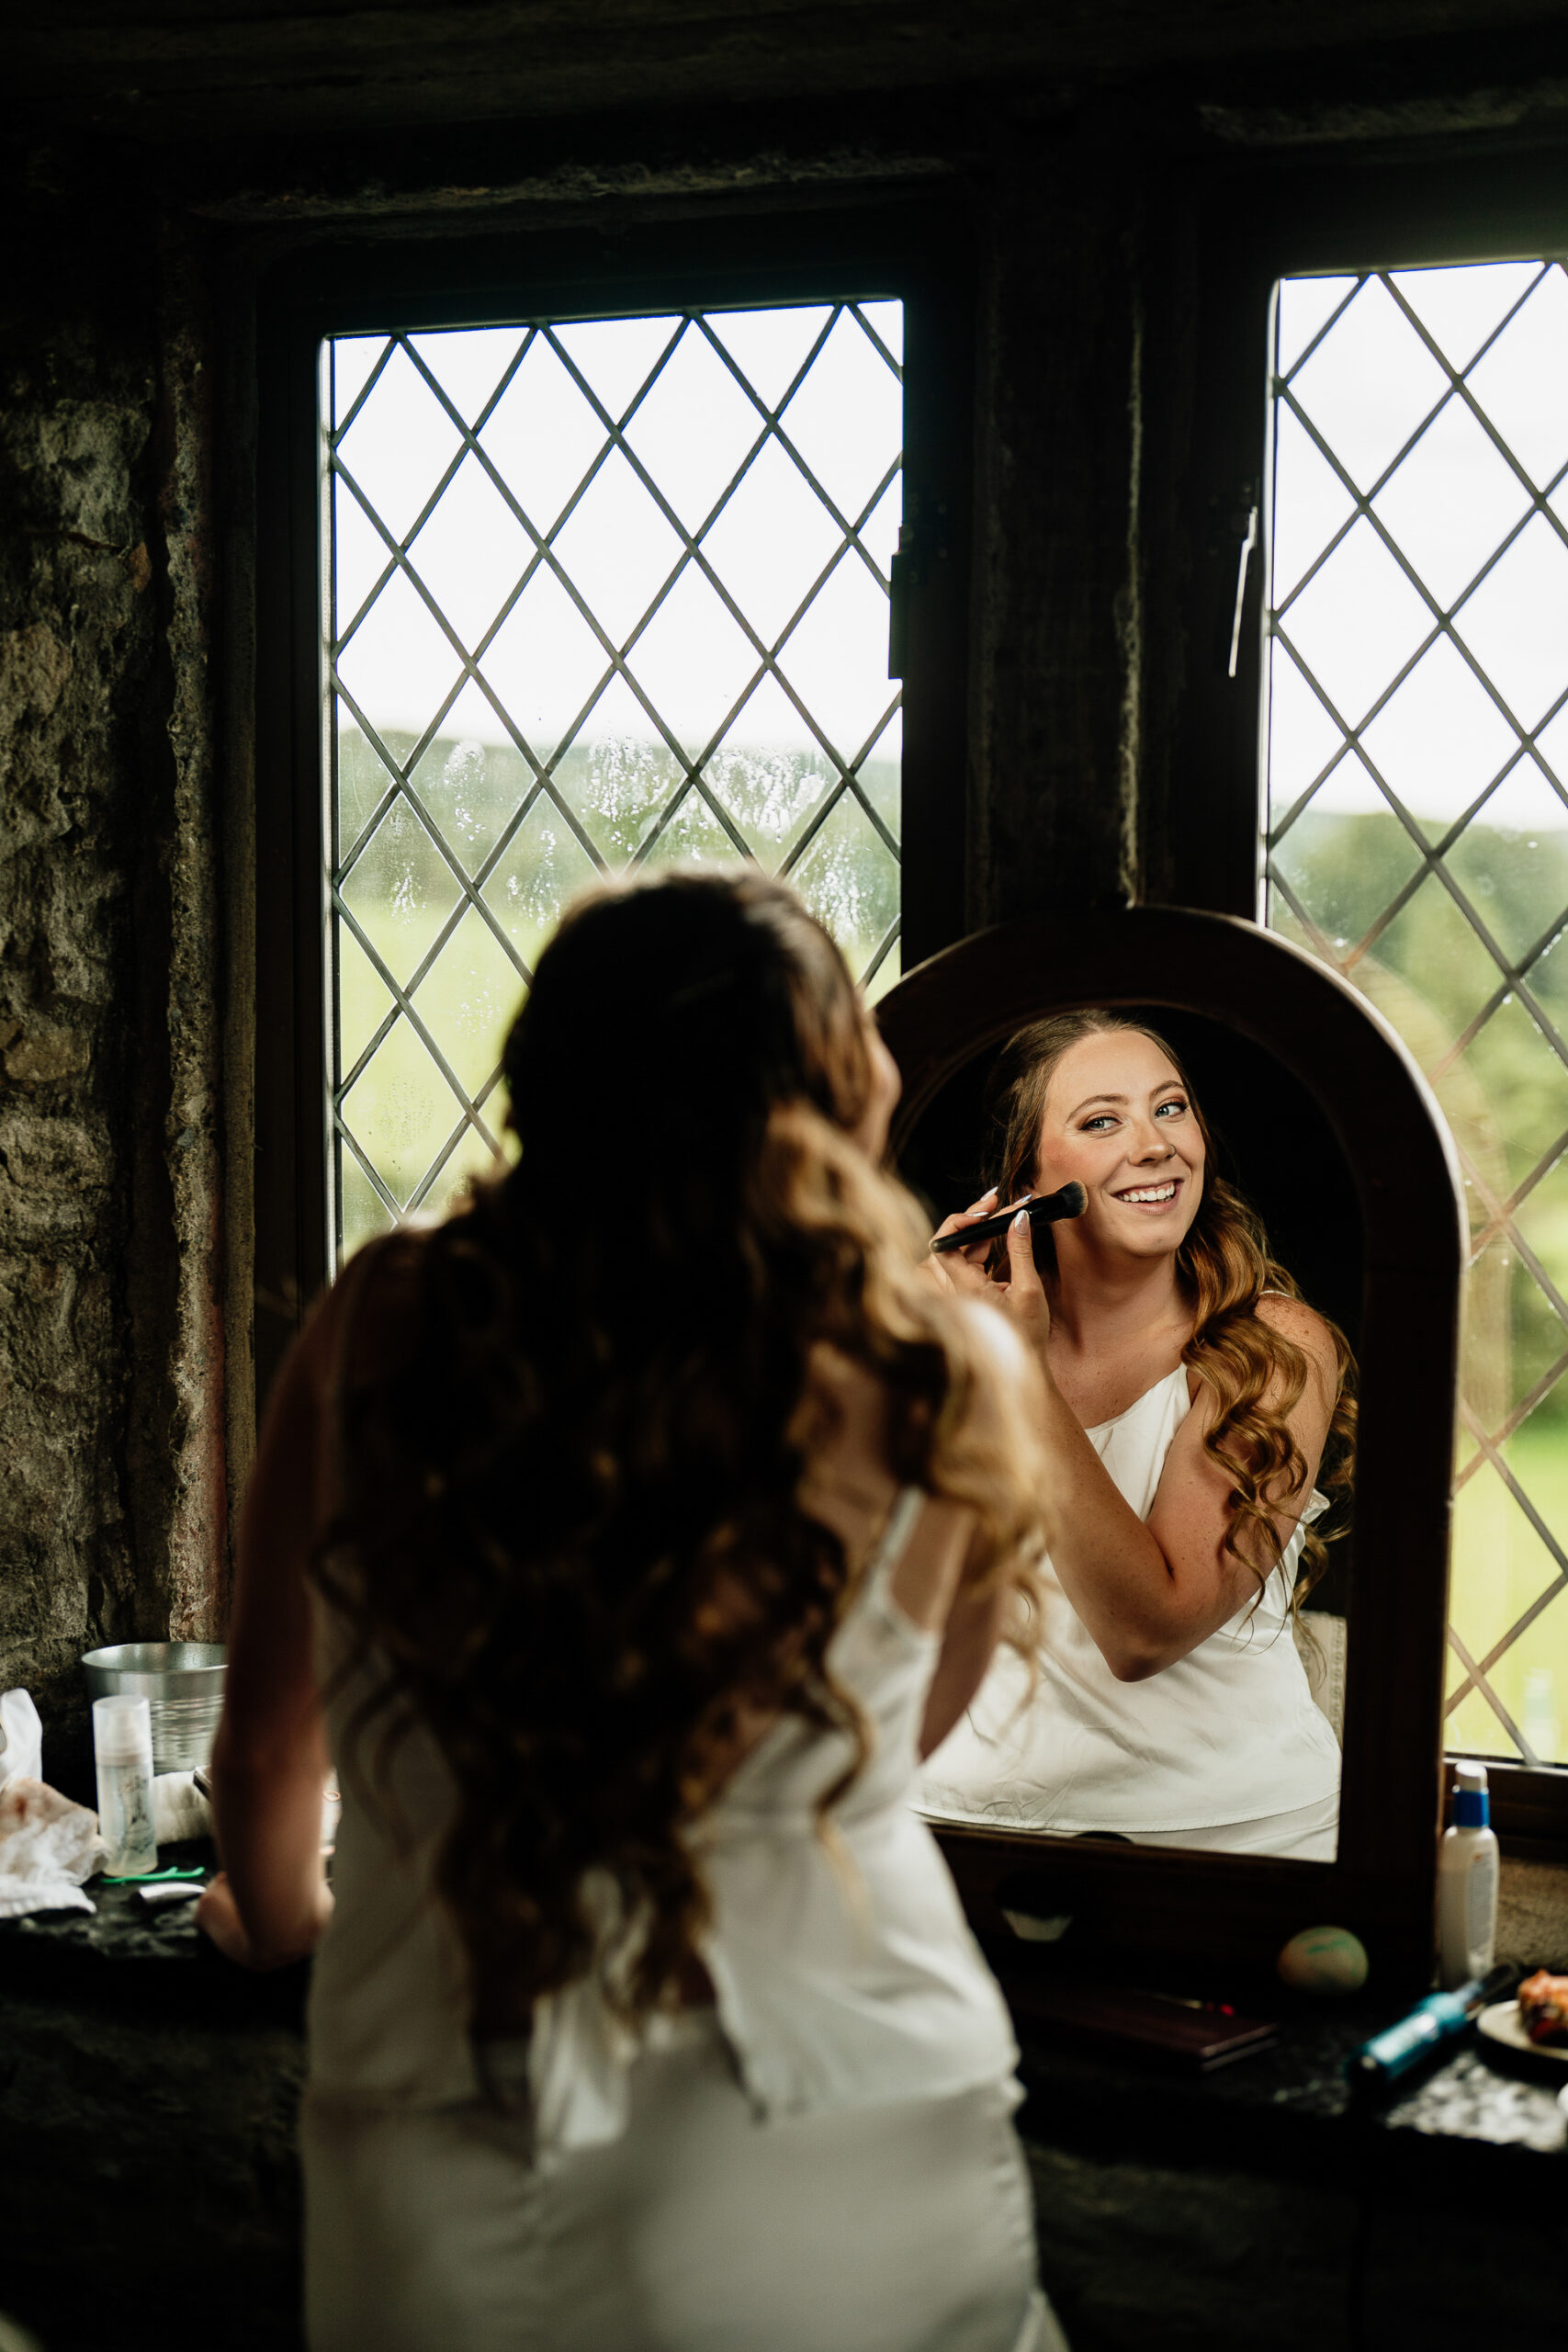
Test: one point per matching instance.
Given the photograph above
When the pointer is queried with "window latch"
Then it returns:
(923, 540)
(902, 575)
(1244, 527)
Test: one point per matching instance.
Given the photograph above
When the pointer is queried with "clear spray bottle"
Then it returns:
(1467, 1883)
(122, 1745)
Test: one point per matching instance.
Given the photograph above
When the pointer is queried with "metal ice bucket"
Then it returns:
(183, 1684)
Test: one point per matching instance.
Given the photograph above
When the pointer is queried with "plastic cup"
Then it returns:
(122, 1748)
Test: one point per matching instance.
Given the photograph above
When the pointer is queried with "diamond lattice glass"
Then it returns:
(600, 593)
(1418, 843)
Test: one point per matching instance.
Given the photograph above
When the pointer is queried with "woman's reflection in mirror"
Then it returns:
(1198, 1422)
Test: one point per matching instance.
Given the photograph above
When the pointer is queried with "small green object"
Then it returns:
(1329, 1960)
(151, 1878)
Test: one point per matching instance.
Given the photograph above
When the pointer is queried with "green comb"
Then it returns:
(151, 1878)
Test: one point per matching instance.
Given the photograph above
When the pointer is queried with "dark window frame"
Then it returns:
(1233, 232)
(908, 245)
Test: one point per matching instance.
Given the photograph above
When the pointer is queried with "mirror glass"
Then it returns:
(1233, 1746)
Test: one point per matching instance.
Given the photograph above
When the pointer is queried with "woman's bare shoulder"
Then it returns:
(366, 1317)
(1295, 1319)
(1304, 1327)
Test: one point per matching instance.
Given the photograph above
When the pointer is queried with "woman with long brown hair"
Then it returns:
(1192, 1406)
(625, 1540)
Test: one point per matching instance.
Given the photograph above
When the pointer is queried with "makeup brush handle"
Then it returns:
(1044, 1208)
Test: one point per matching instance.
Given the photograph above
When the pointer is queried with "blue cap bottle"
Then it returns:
(1467, 1883)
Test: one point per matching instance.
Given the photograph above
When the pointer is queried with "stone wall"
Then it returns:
(79, 658)
(112, 1509)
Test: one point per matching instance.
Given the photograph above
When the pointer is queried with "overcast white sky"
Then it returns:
(692, 431)
(1367, 386)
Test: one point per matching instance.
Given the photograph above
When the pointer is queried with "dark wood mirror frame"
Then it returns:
(1242, 1908)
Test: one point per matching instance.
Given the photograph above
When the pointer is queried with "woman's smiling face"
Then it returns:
(1118, 1119)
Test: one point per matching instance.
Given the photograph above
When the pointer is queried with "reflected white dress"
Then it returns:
(825, 2163)
(1223, 1749)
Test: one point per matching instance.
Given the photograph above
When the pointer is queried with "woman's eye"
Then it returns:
(1102, 1119)
(1175, 1106)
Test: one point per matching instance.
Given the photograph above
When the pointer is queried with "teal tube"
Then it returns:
(1440, 2017)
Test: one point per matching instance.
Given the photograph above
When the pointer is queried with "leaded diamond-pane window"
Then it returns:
(1418, 842)
(601, 593)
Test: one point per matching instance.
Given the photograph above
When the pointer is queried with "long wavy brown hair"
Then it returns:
(572, 1543)
(1225, 1266)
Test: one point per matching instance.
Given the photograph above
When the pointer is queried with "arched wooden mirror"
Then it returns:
(1327, 1126)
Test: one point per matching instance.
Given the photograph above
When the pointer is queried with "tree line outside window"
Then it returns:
(600, 593)
(1417, 841)
(605, 592)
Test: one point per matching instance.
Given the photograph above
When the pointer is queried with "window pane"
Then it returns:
(1418, 842)
(600, 593)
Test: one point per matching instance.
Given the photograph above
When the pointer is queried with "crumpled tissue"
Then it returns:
(21, 1737)
(47, 1846)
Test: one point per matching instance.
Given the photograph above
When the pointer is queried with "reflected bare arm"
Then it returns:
(1149, 1592)
(969, 1639)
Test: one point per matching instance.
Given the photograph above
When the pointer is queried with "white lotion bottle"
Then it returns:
(122, 1745)
(1467, 1883)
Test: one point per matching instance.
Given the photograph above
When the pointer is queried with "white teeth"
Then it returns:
(1150, 1193)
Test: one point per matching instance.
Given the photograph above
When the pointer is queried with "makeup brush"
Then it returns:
(1043, 1208)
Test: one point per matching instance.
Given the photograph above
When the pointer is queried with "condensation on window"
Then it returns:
(600, 593)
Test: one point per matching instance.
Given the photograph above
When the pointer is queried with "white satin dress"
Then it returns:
(825, 2162)
(1225, 1749)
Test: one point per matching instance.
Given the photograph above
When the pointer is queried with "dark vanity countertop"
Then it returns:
(134, 1957)
(1467, 2127)
(1472, 2125)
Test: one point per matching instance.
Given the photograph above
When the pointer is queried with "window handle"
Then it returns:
(901, 578)
(923, 540)
(1244, 523)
